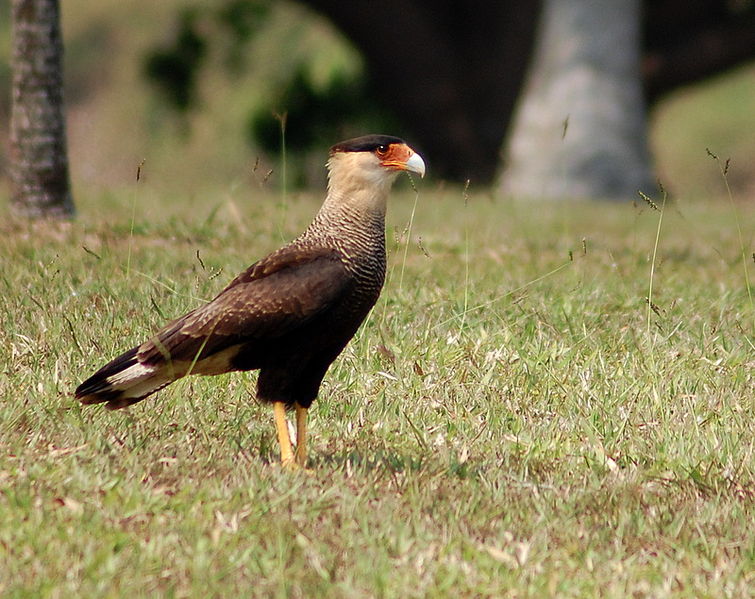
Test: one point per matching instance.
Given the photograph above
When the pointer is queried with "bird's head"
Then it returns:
(371, 161)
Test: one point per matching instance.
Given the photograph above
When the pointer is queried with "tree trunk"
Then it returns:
(38, 158)
(580, 129)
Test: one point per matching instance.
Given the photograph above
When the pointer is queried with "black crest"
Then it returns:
(366, 143)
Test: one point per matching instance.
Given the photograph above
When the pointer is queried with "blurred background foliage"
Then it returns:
(208, 92)
(321, 85)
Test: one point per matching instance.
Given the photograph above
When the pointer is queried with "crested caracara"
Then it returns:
(291, 313)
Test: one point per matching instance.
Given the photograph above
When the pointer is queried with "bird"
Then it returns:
(290, 314)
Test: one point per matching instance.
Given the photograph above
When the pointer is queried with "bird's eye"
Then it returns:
(381, 150)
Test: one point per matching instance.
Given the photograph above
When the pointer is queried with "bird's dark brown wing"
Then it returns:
(273, 297)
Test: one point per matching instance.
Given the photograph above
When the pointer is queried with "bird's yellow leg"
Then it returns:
(301, 435)
(281, 427)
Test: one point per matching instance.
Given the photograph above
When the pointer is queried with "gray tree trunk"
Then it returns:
(580, 129)
(38, 157)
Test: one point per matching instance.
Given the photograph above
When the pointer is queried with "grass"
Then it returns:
(491, 432)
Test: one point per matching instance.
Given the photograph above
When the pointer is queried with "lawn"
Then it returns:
(515, 419)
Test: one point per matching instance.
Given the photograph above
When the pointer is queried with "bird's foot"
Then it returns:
(293, 466)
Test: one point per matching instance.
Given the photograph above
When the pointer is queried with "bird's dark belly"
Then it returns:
(310, 343)
(292, 366)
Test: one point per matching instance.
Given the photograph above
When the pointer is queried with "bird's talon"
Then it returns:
(290, 465)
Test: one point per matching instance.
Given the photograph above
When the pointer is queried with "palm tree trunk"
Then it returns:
(580, 129)
(38, 156)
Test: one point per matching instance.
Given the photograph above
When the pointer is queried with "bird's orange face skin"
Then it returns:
(394, 156)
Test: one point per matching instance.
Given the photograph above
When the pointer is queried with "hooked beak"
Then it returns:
(415, 164)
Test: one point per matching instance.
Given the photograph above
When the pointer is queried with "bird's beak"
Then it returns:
(415, 164)
(402, 158)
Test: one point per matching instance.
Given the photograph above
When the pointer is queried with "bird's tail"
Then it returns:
(122, 382)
